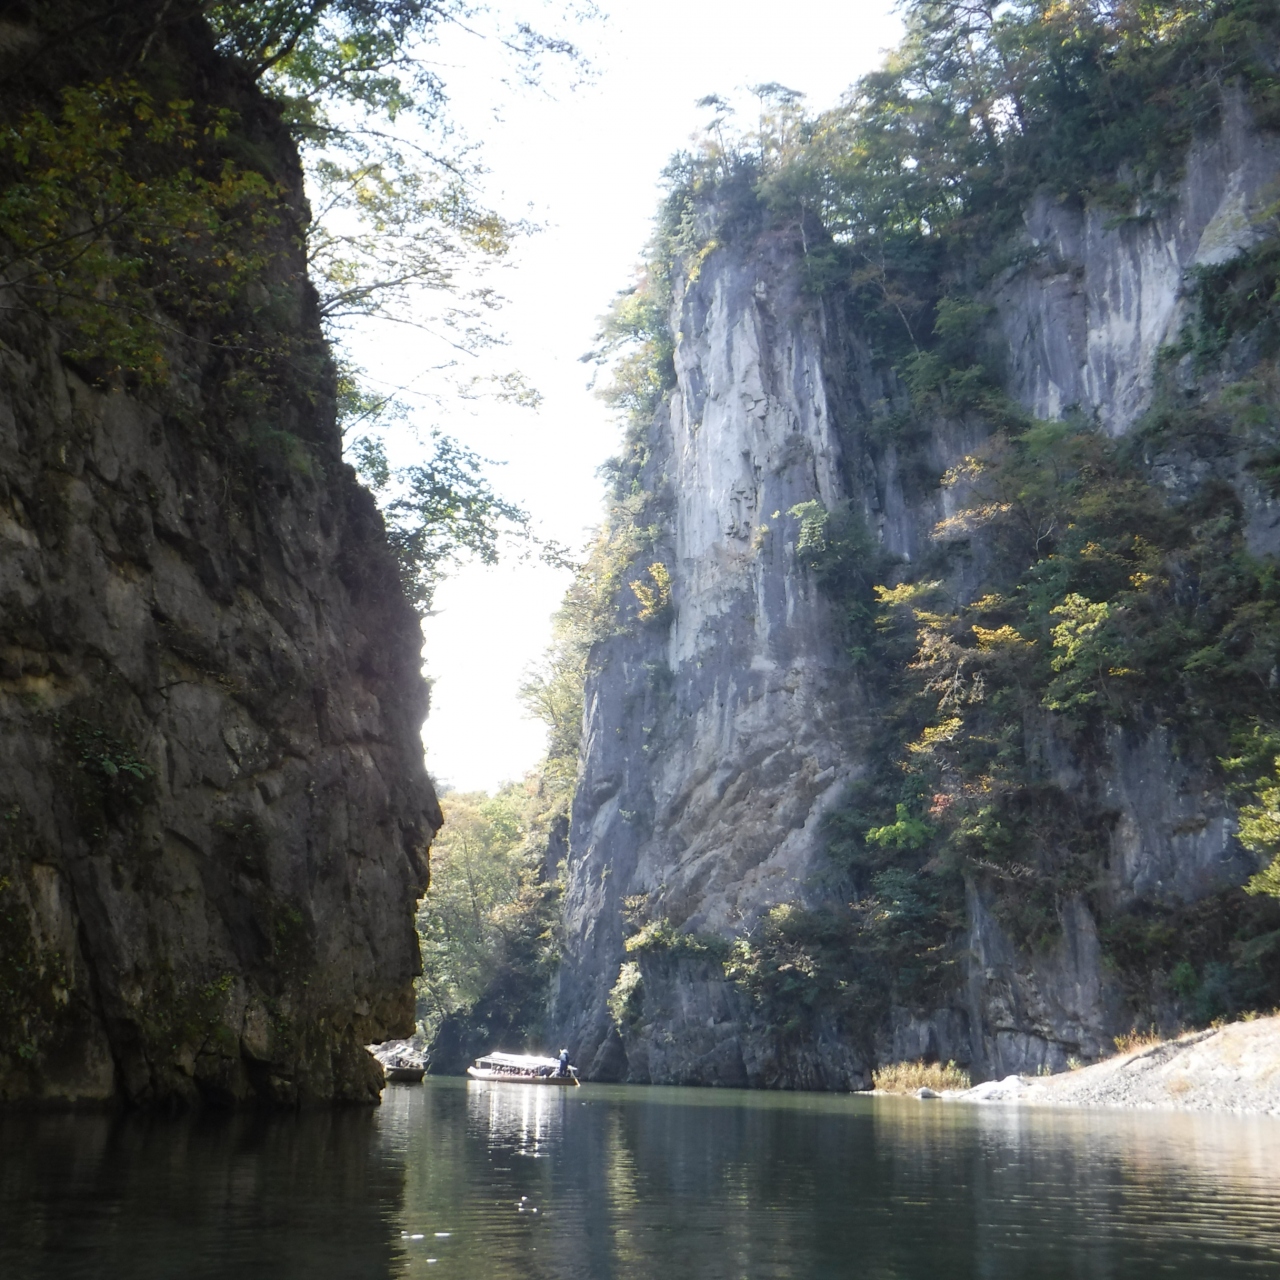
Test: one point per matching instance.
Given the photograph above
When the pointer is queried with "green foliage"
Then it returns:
(107, 778)
(660, 937)
(111, 760)
(123, 220)
(637, 339)
(1086, 650)
(625, 579)
(625, 997)
(1107, 601)
(655, 943)
(363, 54)
(553, 692)
(954, 373)
(349, 49)
(848, 964)
(983, 104)
(1104, 599)
(846, 561)
(488, 926)
(396, 221)
(615, 586)
(906, 193)
(1258, 764)
(1235, 298)
(396, 212)
(654, 596)
(1217, 957)
(189, 1016)
(439, 512)
(905, 832)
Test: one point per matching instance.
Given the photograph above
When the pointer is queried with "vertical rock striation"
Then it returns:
(720, 734)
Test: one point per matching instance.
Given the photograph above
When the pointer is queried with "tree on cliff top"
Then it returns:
(394, 190)
(136, 223)
(398, 217)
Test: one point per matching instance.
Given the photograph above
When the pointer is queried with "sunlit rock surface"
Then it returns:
(715, 744)
(1232, 1068)
(719, 736)
(1085, 319)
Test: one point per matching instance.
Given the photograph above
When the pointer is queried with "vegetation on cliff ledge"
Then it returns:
(1103, 599)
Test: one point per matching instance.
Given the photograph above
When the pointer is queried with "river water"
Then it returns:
(494, 1182)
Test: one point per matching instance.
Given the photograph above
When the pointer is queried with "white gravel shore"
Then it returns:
(1234, 1068)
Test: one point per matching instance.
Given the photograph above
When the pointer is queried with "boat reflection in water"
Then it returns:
(526, 1122)
(632, 1183)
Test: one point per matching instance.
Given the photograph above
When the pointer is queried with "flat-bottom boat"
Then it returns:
(401, 1062)
(404, 1075)
(519, 1068)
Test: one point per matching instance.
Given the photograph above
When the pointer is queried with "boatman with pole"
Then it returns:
(563, 1069)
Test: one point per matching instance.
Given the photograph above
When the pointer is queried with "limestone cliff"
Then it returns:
(719, 735)
(713, 746)
(214, 813)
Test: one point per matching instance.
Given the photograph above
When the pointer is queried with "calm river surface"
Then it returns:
(495, 1182)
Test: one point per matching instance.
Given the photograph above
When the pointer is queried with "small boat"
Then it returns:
(401, 1062)
(404, 1074)
(519, 1068)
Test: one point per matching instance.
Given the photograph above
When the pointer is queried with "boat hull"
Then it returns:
(505, 1077)
(404, 1075)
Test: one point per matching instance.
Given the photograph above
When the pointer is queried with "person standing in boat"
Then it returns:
(563, 1069)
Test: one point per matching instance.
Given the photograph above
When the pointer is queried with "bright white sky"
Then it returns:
(584, 163)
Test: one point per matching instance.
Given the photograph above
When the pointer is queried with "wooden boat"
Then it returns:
(404, 1074)
(401, 1062)
(519, 1068)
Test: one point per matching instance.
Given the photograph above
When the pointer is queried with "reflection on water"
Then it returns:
(526, 1119)
(243, 1196)
(498, 1181)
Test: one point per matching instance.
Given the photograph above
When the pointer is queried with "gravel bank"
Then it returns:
(1235, 1068)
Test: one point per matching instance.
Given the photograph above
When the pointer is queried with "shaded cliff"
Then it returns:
(1061, 864)
(214, 813)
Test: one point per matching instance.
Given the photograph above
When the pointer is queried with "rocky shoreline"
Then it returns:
(1235, 1068)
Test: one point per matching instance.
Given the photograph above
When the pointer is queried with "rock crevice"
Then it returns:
(718, 740)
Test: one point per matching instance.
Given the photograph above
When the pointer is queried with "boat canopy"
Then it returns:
(519, 1061)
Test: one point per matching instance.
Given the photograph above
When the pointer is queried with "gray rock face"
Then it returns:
(1231, 1068)
(1083, 323)
(214, 813)
(715, 745)
(717, 740)
(214, 804)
